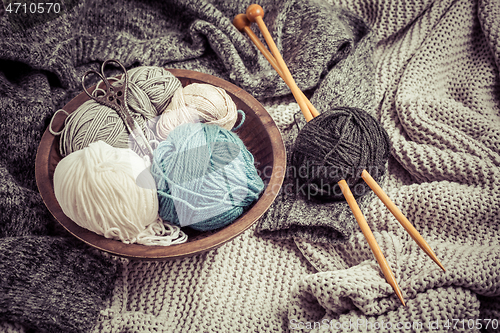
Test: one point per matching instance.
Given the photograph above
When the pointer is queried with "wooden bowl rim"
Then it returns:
(143, 252)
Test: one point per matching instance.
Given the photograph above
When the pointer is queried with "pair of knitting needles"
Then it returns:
(242, 22)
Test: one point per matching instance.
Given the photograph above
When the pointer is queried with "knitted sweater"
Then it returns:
(436, 93)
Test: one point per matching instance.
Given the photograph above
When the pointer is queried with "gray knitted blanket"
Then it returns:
(428, 70)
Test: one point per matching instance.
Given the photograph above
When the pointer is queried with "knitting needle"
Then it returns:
(372, 242)
(382, 262)
(254, 14)
(242, 23)
(400, 217)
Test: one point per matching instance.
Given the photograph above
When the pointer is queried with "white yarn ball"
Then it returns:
(111, 192)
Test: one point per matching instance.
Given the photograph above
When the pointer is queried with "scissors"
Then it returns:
(115, 97)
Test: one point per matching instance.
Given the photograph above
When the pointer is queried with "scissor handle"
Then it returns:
(103, 79)
(114, 97)
(124, 78)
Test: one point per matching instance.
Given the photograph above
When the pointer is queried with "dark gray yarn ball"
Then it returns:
(339, 144)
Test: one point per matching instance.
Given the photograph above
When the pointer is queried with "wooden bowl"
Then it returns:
(260, 135)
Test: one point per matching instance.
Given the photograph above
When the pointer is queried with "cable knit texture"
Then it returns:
(428, 70)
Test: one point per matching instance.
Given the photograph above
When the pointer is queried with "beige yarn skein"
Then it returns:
(198, 102)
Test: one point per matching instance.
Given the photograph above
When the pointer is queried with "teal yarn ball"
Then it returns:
(205, 177)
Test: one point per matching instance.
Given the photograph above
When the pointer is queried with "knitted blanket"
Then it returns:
(428, 70)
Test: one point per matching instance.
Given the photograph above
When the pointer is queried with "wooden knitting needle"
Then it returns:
(382, 262)
(400, 217)
(242, 23)
(255, 13)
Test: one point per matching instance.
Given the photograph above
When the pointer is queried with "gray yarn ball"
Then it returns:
(150, 89)
(339, 144)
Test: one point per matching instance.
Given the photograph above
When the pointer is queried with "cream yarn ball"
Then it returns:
(111, 192)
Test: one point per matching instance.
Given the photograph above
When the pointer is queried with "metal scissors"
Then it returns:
(115, 97)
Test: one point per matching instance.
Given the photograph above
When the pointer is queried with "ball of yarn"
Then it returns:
(111, 192)
(92, 122)
(198, 102)
(205, 176)
(339, 144)
(158, 84)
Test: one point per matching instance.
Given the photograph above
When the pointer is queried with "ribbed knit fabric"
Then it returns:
(436, 82)
(241, 287)
(437, 96)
